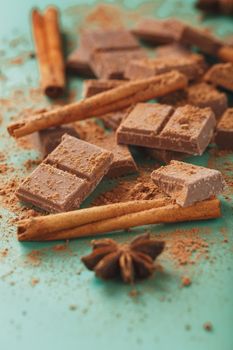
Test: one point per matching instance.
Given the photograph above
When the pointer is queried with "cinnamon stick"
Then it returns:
(225, 54)
(105, 102)
(42, 225)
(204, 210)
(49, 51)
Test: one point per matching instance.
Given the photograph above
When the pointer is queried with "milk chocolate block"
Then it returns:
(188, 129)
(174, 49)
(67, 176)
(123, 162)
(113, 120)
(188, 183)
(221, 75)
(78, 62)
(224, 132)
(145, 68)
(51, 137)
(164, 156)
(201, 39)
(95, 86)
(52, 189)
(158, 31)
(112, 65)
(107, 40)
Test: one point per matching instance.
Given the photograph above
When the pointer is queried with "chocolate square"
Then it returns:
(52, 189)
(113, 120)
(78, 62)
(188, 183)
(224, 132)
(221, 75)
(93, 87)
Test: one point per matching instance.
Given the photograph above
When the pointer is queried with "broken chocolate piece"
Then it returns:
(165, 156)
(123, 162)
(51, 137)
(113, 120)
(145, 68)
(158, 31)
(216, 6)
(112, 65)
(78, 62)
(221, 75)
(188, 183)
(224, 133)
(188, 130)
(174, 49)
(67, 176)
(95, 86)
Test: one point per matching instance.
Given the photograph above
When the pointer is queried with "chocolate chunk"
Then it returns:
(113, 120)
(174, 49)
(123, 162)
(224, 133)
(188, 130)
(78, 62)
(67, 176)
(216, 6)
(52, 189)
(95, 86)
(164, 156)
(158, 31)
(201, 95)
(201, 39)
(145, 68)
(107, 40)
(187, 183)
(51, 137)
(112, 65)
(221, 75)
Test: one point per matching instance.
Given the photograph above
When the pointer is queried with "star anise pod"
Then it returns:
(132, 260)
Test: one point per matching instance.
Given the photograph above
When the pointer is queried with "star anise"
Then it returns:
(132, 260)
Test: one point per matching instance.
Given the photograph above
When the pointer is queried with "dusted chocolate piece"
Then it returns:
(158, 31)
(204, 95)
(221, 75)
(224, 133)
(107, 40)
(216, 6)
(80, 158)
(78, 62)
(201, 95)
(123, 162)
(189, 129)
(52, 189)
(188, 183)
(95, 86)
(67, 176)
(112, 65)
(174, 49)
(113, 120)
(145, 68)
(201, 39)
(164, 156)
(51, 137)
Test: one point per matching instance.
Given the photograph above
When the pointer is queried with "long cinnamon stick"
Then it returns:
(42, 225)
(204, 210)
(105, 102)
(49, 51)
(225, 54)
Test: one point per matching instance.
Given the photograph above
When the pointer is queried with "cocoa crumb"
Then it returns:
(186, 281)
(208, 326)
(34, 281)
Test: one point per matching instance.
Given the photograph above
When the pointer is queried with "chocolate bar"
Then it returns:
(95, 86)
(221, 75)
(188, 183)
(107, 40)
(50, 138)
(201, 95)
(188, 129)
(78, 62)
(112, 64)
(158, 31)
(66, 177)
(113, 120)
(145, 68)
(123, 162)
(174, 49)
(224, 131)
(165, 156)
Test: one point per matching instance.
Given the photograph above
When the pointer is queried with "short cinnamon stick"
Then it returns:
(204, 210)
(225, 54)
(105, 102)
(49, 51)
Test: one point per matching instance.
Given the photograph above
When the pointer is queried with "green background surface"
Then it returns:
(70, 308)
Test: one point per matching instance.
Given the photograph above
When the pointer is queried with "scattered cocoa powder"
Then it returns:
(186, 281)
(34, 281)
(208, 326)
(34, 258)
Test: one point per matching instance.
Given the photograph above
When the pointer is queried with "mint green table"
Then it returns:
(69, 308)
